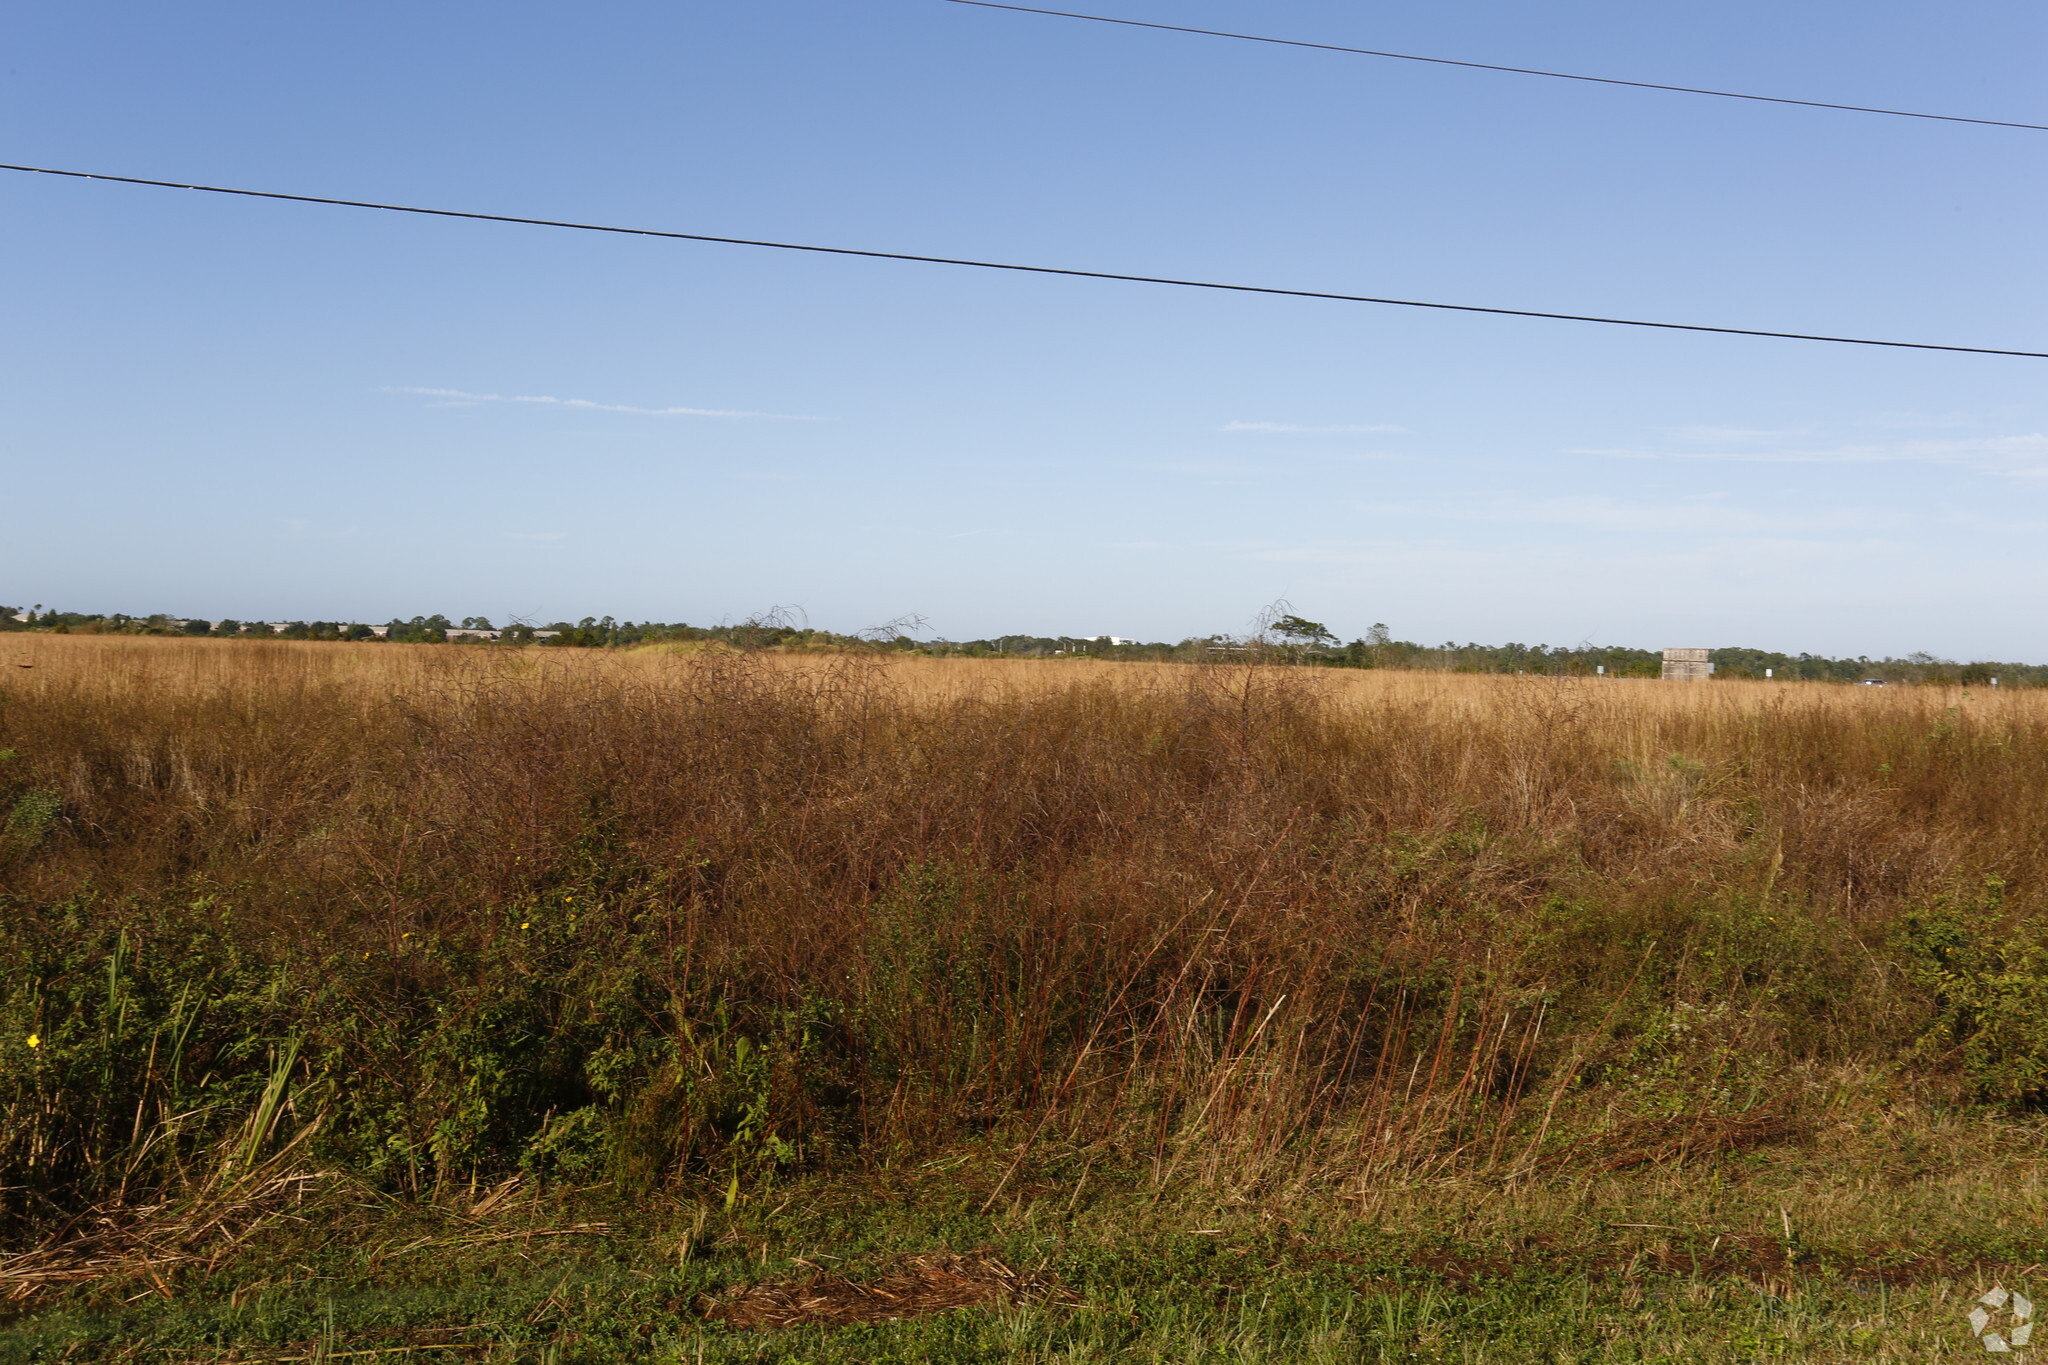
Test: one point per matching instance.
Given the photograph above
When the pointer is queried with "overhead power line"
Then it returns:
(1012, 266)
(1491, 66)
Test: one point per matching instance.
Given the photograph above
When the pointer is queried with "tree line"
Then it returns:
(1280, 638)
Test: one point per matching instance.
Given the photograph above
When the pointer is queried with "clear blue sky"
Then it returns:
(236, 408)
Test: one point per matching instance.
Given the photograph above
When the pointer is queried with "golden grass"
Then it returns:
(171, 665)
(1910, 786)
(1642, 983)
(1241, 917)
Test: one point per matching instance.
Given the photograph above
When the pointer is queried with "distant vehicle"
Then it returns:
(1873, 682)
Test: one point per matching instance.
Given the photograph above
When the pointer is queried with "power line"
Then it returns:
(1490, 66)
(1023, 269)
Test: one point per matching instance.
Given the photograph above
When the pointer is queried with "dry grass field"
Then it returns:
(1169, 1012)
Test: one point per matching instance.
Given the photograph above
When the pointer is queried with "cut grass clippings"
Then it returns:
(909, 1287)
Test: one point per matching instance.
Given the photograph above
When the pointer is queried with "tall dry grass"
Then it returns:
(648, 917)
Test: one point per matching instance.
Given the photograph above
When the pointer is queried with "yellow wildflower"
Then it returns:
(35, 1040)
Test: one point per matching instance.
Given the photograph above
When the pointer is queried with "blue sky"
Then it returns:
(230, 407)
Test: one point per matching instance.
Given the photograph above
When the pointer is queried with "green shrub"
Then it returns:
(1987, 976)
(32, 816)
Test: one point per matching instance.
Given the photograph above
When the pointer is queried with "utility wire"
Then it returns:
(1023, 269)
(1490, 66)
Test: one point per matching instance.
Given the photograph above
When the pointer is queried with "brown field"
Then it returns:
(1908, 786)
(665, 920)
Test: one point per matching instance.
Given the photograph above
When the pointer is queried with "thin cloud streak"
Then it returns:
(1291, 429)
(1703, 515)
(461, 397)
(1716, 557)
(1712, 435)
(2023, 457)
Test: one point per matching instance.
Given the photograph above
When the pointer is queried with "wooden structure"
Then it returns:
(1686, 665)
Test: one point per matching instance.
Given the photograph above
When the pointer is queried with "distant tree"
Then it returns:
(420, 630)
(1295, 630)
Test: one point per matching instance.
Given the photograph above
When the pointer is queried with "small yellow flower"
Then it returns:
(35, 1040)
(527, 925)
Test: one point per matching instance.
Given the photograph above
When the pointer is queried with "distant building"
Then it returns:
(468, 633)
(1686, 665)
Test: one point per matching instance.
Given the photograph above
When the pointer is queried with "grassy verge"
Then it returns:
(1869, 1244)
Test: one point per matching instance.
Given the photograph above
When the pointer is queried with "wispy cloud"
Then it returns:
(1680, 563)
(1704, 515)
(464, 398)
(1711, 435)
(1245, 468)
(1292, 429)
(1935, 421)
(981, 531)
(1213, 471)
(2024, 457)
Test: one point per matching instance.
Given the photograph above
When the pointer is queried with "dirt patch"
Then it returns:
(910, 1287)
